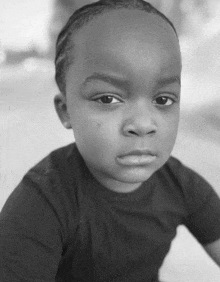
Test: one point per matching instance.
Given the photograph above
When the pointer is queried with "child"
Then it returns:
(107, 207)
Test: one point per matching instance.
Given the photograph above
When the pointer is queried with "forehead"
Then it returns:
(123, 38)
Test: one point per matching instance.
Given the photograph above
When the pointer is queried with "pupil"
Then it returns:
(106, 99)
(162, 100)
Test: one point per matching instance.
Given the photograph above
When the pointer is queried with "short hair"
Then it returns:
(83, 16)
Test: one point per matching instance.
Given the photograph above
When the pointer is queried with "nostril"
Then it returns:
(139, 128)
(131, 132)
(152, 131)
(140, 133)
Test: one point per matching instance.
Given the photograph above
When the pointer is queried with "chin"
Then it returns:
(135, 176)
(138, 174)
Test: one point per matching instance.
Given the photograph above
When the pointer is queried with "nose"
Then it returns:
(139, 122)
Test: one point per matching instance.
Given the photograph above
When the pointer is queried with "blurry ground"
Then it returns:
(30, 129)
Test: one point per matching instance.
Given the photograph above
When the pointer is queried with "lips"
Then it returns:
(137, 158)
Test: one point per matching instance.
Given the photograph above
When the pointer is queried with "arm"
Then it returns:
(30, 243)
(213, 249)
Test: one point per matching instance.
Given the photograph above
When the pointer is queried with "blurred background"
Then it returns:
(30, 129)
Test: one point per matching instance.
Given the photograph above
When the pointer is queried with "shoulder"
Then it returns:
(54, 177)
(55, 160)
(200, 199)
(176, 167)
(58, 169)
(47, 191)
(194, 189)
(39, 217)
(184, 175)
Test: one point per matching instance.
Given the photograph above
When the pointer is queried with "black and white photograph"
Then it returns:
(110, 141)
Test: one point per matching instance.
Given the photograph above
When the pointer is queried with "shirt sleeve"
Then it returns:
(30, 235)
(203, 205)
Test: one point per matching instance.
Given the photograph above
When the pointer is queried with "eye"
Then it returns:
(163, 101)
(107, 99)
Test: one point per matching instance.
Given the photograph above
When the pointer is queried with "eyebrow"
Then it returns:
(169, 80)
(123, 83)
(110, 79)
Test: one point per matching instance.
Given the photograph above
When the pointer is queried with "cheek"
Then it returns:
(169, 128)
(94, 129)
(96, 141)
(166, 141)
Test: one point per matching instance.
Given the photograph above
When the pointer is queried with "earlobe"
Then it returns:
(61, 109)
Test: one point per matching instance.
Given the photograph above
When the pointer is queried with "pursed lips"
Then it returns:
(137, 157)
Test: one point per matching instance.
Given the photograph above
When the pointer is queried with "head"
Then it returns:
(118, 68)
(82, 17)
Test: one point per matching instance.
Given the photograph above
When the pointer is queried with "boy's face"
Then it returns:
(122, 96)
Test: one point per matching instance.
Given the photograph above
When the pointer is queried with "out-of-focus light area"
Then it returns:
(24, 24)
(29, 28)
(30, 129)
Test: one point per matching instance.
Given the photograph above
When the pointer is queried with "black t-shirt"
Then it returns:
(61, 224)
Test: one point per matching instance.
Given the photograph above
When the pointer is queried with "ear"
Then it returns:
(61, 109)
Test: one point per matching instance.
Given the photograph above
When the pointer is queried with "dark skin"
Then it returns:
(122, 98)
(123, 90)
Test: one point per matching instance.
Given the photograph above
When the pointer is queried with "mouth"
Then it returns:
(137, 158)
